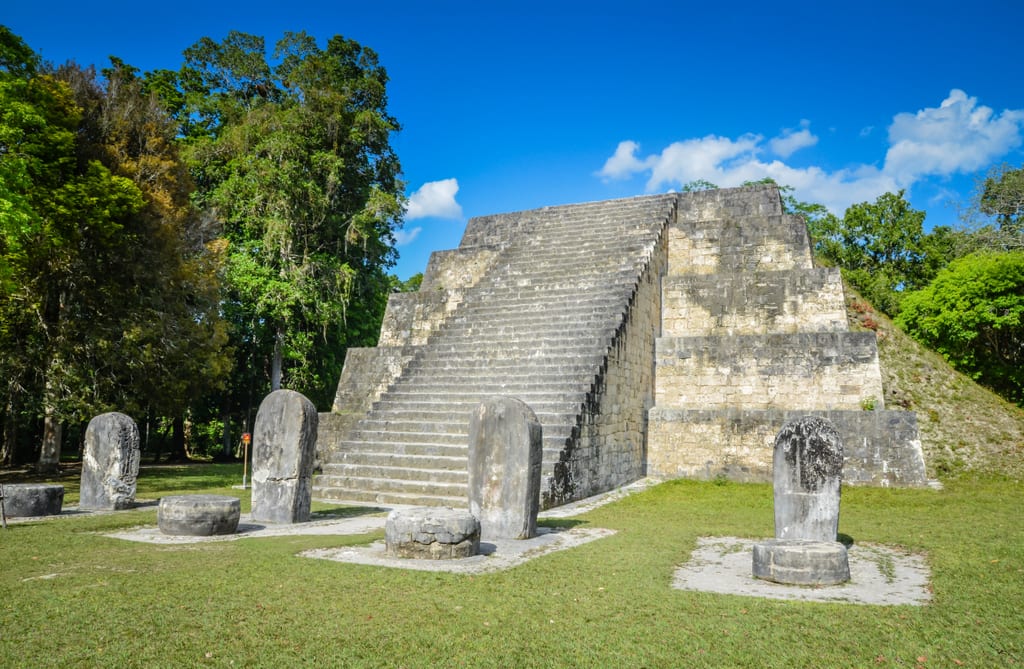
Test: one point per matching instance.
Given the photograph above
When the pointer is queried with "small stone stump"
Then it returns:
(431, 533)
(807, 473)
(23, 500)
(110, 464)
(198, 515)
(284, 445)
(505, 456)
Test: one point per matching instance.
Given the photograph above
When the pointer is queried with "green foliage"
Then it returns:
(1002, 196)
(698, 185)
(973, 314)
(881, 248)
(295, 160)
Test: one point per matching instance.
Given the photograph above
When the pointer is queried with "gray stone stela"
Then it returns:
(431, 533)
(667, 336)
(110, 464)
(505, 451)
(198, 515)
(283, 452)
(808, 465)
(32, 499)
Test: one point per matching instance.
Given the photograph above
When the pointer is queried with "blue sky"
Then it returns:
(510, 106)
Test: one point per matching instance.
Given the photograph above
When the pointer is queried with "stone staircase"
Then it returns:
(668, 335)
(536, 322)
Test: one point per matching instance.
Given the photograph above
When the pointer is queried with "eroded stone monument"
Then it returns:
(284, 441)
(505, 457)
(431, 533)
(110, 465)
(807, 471)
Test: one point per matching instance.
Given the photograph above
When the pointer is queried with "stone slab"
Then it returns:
(801, 562)
(198, 515)
(26, 500)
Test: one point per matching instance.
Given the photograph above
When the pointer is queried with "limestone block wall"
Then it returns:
(610, 448)
(826, 370)
(748, 202)
(764, 244)
(760, 303)
(880, 447)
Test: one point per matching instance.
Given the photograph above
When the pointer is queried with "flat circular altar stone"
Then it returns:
(797, 562)
(33, 499)
(198, 515)
(431, 533)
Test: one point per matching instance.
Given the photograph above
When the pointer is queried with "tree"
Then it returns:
(973, 314)
(880, 247)
(109, 296)
(295, 160)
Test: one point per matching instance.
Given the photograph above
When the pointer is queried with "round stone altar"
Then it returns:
(198, 515)
(33, 499)
(431, 533)
(796, 562)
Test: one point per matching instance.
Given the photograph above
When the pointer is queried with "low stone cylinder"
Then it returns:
(431, 533)
(32, 499)
(801, 562)
(198, 515)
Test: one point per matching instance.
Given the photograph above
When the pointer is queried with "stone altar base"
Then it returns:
(431, 533)
(198, 515)
(801, 562)
(33, 499)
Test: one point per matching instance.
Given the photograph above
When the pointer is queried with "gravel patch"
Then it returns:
(881, 575)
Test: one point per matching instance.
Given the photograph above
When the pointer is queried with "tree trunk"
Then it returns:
(49, 453)
(178, 453)
(275, 364)
(9, 446)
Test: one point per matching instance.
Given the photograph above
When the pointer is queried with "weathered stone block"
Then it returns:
(808, 470)
(32, 499)
(505, 455)
(110, 465)
(802, 562)
(284, 447)
(198, 515)
(431, 533)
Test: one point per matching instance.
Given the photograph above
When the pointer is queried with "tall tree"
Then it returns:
(295, 160)
(880, 247)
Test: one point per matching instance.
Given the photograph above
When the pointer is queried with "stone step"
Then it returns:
(392, 460)
(330, 494)
(395, 485)
(336, 474)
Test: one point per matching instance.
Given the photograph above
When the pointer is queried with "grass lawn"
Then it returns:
(71, 597)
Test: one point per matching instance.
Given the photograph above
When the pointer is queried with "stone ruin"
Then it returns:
(110, 464)
(282, 465)
(808, 470)
(283, 448)
(504, 482)
(667, 335)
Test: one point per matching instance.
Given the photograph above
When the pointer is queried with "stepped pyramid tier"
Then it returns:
(669, 335)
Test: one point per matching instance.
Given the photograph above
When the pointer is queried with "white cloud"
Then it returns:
(623, 163)
(957, 136)
(434, 199)
(403, 237)
(792, 140)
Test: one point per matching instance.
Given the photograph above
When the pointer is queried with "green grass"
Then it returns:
(70, 596)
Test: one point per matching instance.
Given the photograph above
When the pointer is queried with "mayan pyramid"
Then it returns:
(667, 336)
